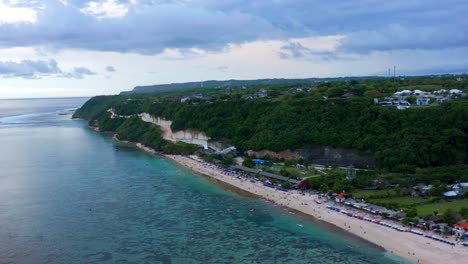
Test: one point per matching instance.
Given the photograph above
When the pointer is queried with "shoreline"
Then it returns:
(406, 245)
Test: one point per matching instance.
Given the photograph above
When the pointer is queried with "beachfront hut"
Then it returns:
(340, 198)
(460, 229)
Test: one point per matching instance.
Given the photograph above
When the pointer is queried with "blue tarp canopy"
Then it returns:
(259, 161)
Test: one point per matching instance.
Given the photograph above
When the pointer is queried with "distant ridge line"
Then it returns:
(233, 82)
(266, 81)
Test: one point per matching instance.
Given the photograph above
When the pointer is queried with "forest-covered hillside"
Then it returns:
(435, 135)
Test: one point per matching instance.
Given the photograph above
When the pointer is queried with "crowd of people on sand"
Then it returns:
(389, 225)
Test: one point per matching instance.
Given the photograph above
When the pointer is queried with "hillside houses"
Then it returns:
(295, 90)
(422, 101)
(193, 97)
(422, 98)
(260, 94)
(458, 189)
(455, 92)
(393, 101)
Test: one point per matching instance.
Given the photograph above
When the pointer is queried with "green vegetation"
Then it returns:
(365, 194)
(441, 207)
(135, 130)
(95, 106)
(248, 162)
(106, 123)
(400, 202)
(418, 137)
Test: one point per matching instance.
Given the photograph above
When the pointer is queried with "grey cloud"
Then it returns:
(294, 50)
(78, 73)
(35, 69)
(152, 26)
(110, 69)
(398, 37)
(28, 68)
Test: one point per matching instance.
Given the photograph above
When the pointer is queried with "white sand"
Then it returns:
(407, 245)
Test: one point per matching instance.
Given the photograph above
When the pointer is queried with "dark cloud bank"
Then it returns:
(151, 26)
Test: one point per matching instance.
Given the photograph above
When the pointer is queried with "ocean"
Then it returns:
(71, 195)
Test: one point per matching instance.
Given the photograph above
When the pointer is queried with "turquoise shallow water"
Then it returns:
(70, 195)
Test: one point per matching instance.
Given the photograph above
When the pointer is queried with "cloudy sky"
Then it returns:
(52, 48)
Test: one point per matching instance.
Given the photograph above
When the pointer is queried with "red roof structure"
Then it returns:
(341, 195)
(462, 225)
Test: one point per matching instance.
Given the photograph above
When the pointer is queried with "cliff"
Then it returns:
(187, 136)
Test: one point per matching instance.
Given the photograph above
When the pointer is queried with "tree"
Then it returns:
(411, 99)
(407, 220)
(449, 216)
(324, 188)
(289, 162)
(248, 162)
(411, 212)
(438, 188)
(464, 212)
(227, 162)
(285, 172)
(335, 92)
(398, 190)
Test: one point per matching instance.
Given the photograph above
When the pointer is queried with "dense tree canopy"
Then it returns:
(400, 140)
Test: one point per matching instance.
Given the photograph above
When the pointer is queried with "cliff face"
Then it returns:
(187, 136)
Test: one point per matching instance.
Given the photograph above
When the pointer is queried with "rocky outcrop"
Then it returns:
(285, 154)
(322, 155)
(340, 156)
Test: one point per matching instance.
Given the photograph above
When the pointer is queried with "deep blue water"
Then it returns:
(70, 195)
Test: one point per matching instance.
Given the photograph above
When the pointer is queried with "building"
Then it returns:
(340, 198)
(441, 91)
(438, 227)
(191, 97)
(389, 101)
(267, 175)
(260, 94)
(460, 188)
(348, 95)
(461, 229)
(402, 107)
(403, 93)
(455, 92)
(421, 190)
(420, 93)
(450, 194)
(457, 190)
(423, 101)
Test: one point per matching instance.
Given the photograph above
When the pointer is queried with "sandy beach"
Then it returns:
(407, 245)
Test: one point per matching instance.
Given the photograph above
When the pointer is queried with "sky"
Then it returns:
(59, 48)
